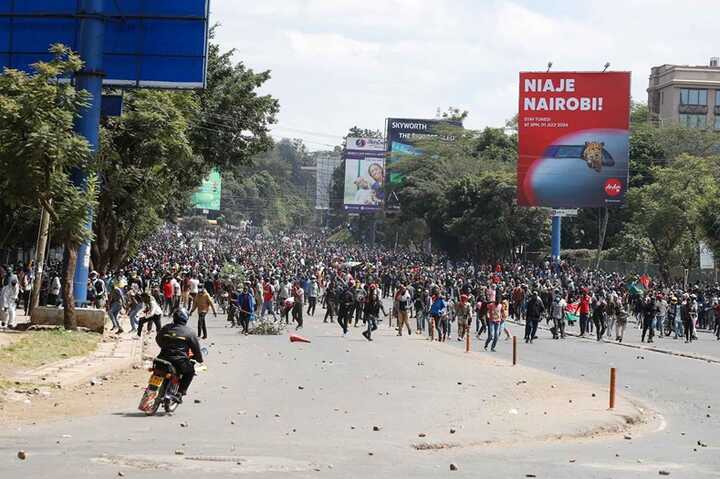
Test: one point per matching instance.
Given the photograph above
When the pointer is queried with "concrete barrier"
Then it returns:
(90, 318)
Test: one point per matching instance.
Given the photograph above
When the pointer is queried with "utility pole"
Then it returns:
(601, 239)
(40, 248)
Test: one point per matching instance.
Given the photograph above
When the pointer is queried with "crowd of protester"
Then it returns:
(287, 277)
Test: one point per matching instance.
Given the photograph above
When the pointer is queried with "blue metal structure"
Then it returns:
(556, 230)
(124, 43)
(147, 43)
(91, 33)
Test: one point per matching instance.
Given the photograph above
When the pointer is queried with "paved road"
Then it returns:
(254, 419)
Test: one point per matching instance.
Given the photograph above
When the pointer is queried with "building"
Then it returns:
(686, 95)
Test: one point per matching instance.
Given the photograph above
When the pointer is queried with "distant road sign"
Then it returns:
(564, 212)
(147, 43)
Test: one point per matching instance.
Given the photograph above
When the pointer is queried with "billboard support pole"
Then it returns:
(90, 46)
(556, 230)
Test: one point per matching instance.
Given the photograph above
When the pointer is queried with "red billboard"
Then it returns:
(573, 139)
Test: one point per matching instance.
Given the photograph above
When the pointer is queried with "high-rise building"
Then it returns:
(686, 95)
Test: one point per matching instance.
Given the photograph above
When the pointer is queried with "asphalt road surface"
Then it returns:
(268, 408)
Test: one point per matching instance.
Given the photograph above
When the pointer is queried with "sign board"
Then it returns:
(364, 188)
(564, 212)
(207, 197)
(148, 43)
(403, 135)
(573, 139)
(707, 257)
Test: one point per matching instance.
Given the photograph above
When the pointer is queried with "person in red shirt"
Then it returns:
(584, 310)
(268, 296)
(168, 295)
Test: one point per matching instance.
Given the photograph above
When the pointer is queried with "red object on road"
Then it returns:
(294, 338)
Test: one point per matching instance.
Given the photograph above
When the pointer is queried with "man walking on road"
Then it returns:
(203, 303)
(268, 296)
(313, 290)
(584, 310)
(535, 310)
(347, 302)
(373, 306)
(246, 307)
(464, 316)
(299, 300)
(403, 299)
(557, 312)
(648, 321)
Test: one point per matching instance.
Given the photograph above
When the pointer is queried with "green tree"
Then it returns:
(165, 144)
(483, 216)
(232, 124)
(147, 168)
(668, 211)
(39, 148)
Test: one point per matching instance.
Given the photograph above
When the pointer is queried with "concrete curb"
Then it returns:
(698, 357)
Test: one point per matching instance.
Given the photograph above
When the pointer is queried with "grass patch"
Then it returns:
(8, 384)
(42, 347)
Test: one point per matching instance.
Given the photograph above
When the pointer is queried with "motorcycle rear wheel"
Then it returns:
(169, 402)
(158, 400)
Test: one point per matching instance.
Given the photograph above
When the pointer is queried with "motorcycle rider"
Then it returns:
(176, 340)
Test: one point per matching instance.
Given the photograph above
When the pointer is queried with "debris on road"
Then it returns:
(22, 455)
(453, 467)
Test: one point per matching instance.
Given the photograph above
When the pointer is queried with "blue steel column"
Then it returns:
(90, 47)
(556, 228)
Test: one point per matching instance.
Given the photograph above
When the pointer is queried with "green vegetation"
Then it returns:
(149, 160)
(43, 347)
(39, 149)
(341, 236)
(461, 195)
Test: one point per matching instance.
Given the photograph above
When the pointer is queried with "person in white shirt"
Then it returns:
(194, 284)
(177, 293)
(151, 314)
(54, 291)
(8, 301)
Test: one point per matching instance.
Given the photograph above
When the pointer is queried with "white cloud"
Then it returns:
(339, 63)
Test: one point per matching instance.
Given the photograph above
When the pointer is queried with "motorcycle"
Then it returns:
(163, 385)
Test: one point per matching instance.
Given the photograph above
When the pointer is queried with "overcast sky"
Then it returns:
(339, 63)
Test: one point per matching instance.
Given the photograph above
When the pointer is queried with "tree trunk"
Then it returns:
(70, 322)
(40, 260)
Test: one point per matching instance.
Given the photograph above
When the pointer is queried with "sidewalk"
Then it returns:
(114, 353)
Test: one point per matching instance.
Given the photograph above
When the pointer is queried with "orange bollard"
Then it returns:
(514, 350)
(612, 388)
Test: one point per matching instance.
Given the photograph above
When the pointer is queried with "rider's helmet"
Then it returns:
(180, 316)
